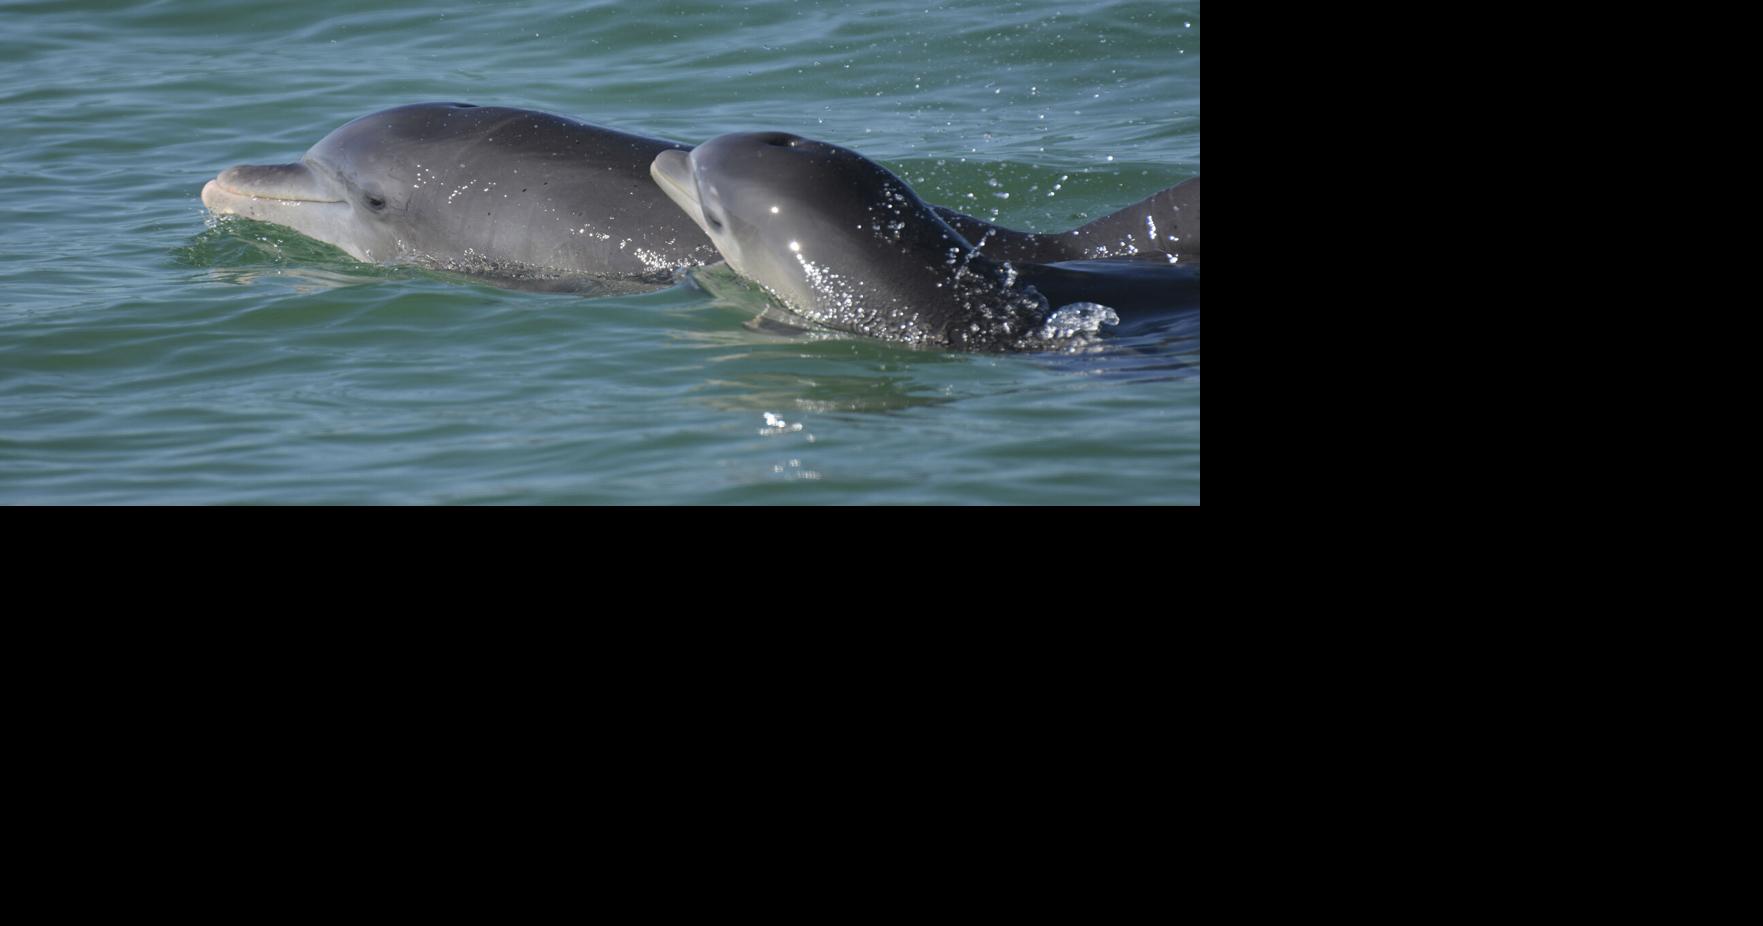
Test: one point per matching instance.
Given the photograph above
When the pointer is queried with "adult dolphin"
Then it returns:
(504, 191)
(843, 242)
(476, 188)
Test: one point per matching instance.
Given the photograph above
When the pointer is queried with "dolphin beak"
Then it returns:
(237, 187)
(291, 195)
(672, 171)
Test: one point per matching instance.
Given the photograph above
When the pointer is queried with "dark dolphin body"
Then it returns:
(1166, 222)
(843, 242)
(503, 192)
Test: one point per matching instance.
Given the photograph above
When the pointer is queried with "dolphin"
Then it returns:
(1163, 223)
(844, 243)
(475, 188)
(507, 192)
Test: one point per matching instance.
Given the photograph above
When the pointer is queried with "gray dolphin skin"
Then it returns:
(844, 243)
(497, 191)
(1166, 222)
(482, 189)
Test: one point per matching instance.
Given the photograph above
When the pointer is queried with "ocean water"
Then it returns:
(150, 354)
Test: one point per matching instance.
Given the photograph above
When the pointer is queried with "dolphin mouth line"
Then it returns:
(672, 171)
(266, 186)
(266, 197)
(666, 174)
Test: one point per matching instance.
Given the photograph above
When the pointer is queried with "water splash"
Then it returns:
(1078, 320)
(775, 425)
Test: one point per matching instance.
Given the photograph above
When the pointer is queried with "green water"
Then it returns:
(149, 354)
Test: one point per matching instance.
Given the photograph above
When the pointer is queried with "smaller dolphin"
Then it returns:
(845, 243)
(1166, 223)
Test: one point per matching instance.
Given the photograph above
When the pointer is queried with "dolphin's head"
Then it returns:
(760, 196)
(349, 190)
(833, 234)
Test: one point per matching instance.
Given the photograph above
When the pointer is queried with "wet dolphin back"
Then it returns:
(1168, 221)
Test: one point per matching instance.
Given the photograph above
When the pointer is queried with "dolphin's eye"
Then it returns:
(715, 223)
(376, 202)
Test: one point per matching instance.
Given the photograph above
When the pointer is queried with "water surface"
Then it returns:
(149, 354)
